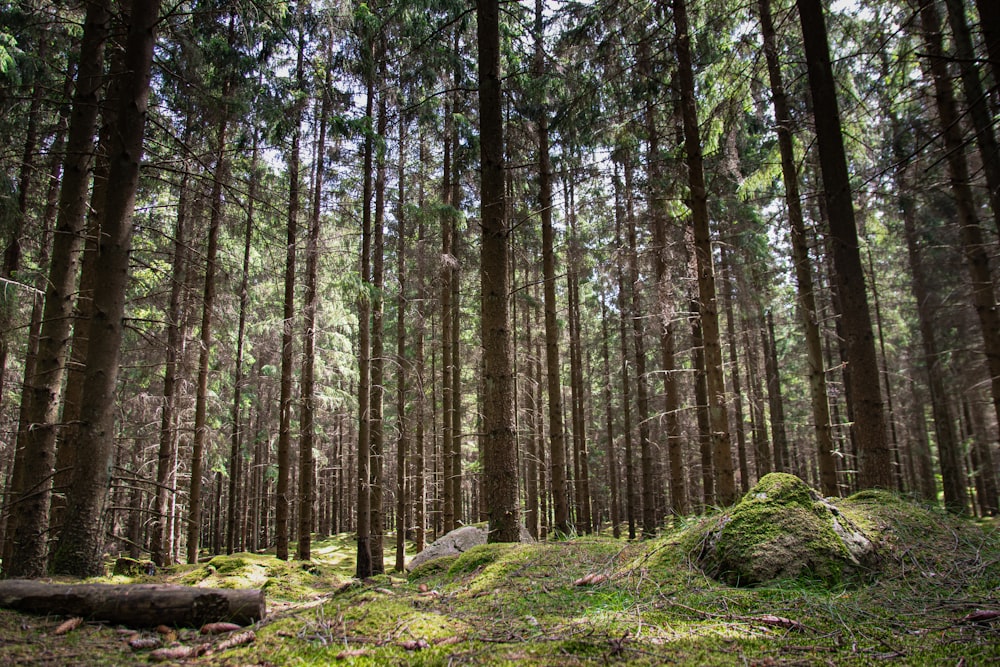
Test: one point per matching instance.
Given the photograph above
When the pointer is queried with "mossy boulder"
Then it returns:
(782, 529)
(457, 542)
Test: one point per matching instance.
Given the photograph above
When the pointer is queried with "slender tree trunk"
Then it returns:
(78, 547)
(402, 366)
(500, 461)
(624, 303)
(234, 535)
(455, 340)
(776, 402)
(974, 245)
(377, 463)
(610, 428)
(307, 418)
(701, 409)
(531, 486)
(641, 380)
(989, 24)
(875, 459)
(722, 459)
(800, 260)
(447, 265)
(176, 336)
(976, 102)
(205, 347)
(420, 405)
(741, 436)
(36, 440)
(761, 448)
(364, 568)
(557, 445)
(286, 401)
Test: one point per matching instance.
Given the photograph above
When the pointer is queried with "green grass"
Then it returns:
(518, 604)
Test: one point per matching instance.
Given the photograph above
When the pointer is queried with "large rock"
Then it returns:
(782, 529)
(456, 542)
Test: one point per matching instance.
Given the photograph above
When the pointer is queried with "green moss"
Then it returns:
(227, 564)
(432, 568)
(781, 529)
(478, 557)
(782, 489)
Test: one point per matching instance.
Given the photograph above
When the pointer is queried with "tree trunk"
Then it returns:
(976, 102)
(205, 346)
(234, 536)
(615, 513)
(741, 436)
(722, 459)
(641, 380)
(500, 461)
(285, 402)
(776, 402)
(136, 605)
(364, 567)
(310, 299)
(974, 245)
(446, 267)
(701, 410)
(553, 366)
(875, 459)
(624, 303)
(800, 260)
(402, 367)
(376, 462)
(176, 336)
(78, 550)
(420, 405)
(25, 549)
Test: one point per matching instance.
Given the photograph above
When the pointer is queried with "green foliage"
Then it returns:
(8, 51)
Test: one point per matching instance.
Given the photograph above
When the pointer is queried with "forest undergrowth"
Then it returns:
(934, 600)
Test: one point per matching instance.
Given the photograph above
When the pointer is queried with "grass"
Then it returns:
(517, 604)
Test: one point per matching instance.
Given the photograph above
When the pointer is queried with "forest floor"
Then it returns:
(589, 600)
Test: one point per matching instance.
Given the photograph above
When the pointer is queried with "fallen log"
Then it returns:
(136, 605)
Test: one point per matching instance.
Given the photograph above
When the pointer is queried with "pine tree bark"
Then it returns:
(728, 297)
(25, 548)
(402, 366)
(420, 405)
(446, 267)
(234, 536)
(553, 366)
(776, 401)
(800, 259)
(639, 357)
(364, 567)
(989, 24)
(310, 299)
(722, 459)
(78, 547)
(974, 244)
(376, 460)
(624, 304)
(610, 449)
(875, 458)
(976, 102)
(205, 346)
(581, 455)
(500, 461)
(160, 551)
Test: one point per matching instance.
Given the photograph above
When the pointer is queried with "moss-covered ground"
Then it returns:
(643, 603)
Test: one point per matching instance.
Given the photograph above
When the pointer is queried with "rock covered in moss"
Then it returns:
(782, 529)
(456, 542)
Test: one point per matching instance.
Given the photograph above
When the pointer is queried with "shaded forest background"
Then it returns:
(275, 327)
